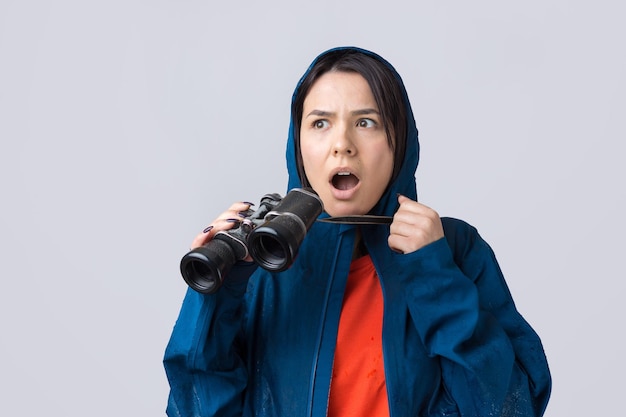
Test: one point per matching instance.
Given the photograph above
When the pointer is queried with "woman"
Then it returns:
(411, 319)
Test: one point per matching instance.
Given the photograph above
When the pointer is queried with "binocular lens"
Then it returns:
(275, 245)
(200, 276)
(204, 268)
(271, 248)
(270, 251)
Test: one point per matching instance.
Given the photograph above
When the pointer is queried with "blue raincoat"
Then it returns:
(453, 342)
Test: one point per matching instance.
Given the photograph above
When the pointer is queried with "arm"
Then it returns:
(203, 360)
(492, 361)
(530, 383)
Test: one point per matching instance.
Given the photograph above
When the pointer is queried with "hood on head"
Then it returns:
(404, 183)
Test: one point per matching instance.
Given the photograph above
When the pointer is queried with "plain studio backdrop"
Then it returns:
(127, 126)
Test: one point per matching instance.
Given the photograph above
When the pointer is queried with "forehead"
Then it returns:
(340, 88)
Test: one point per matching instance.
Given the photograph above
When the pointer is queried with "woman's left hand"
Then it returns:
(414, 226)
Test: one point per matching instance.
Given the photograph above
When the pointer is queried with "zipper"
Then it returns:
(387, 384)
(320, 335)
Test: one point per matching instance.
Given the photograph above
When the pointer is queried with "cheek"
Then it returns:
(312, 158)
(384, 159)
(385, 169)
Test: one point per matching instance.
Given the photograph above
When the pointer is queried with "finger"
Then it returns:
(242, 206)
(225, 221)
(396, 244)
(237, 210)
(202, 238)
(412, 212)
(219, 225)
(407, 243)
(405, 223)
(408, 205)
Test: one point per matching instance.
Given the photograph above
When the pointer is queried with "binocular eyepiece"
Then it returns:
(271, 235)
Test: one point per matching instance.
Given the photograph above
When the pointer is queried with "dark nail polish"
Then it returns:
(208, 229)
(242, 214)
(248, 203)
(233, 220)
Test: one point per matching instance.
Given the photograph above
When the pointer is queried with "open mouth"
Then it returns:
(344, 180)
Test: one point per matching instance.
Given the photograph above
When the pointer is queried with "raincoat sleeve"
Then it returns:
(203, 359)
(492, 361)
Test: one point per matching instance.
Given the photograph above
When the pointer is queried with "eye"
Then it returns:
(320, 124)
(366, 123)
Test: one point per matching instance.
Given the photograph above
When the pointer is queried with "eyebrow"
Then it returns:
(360, 112)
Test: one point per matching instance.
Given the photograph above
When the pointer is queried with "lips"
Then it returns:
(344, 180)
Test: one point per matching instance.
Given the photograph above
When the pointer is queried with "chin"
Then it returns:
(345, 209)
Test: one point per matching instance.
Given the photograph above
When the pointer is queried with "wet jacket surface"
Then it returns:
(453, 342)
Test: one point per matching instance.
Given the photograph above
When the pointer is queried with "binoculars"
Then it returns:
(271, 235)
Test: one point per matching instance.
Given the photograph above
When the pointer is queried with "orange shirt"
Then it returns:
(358, 384)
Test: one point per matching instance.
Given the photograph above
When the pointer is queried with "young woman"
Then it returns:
(408, 319)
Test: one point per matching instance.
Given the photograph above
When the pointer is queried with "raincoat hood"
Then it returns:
(404, 182)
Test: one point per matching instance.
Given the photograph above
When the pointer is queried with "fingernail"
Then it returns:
(233, 220)
(242, 214)
(208, 229)
(248, 203)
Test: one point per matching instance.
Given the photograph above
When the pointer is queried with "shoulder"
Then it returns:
(458, 232)
(465, 242)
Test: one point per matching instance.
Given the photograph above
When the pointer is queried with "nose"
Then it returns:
(343, 144)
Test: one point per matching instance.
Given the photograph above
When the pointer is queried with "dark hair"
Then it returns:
(385, 88)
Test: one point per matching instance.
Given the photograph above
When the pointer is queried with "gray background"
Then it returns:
(126, 126)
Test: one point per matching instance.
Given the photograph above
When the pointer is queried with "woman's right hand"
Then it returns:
(225, 221)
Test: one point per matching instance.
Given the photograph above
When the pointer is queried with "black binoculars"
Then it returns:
(271, 235)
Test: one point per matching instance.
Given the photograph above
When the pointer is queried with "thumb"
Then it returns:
(402, 198)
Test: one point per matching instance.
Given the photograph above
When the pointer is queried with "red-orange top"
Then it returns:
(358, 385)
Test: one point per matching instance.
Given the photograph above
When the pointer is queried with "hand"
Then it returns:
(414, 226)
(225, 221)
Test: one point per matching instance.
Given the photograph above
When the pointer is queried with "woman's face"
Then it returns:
(345, 152)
